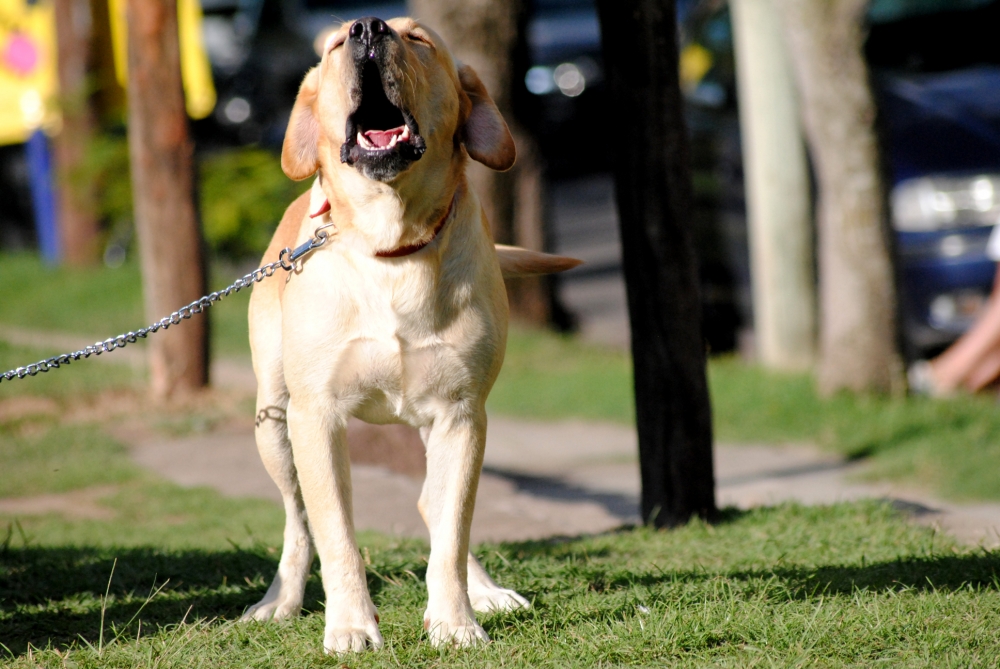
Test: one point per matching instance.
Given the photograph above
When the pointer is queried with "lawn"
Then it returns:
(101, 302)
(155, 575)
(159, 578)
(850, 585)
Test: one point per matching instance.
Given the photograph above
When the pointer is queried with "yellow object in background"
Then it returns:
(28, 76)
(696, 61)
(196, 72)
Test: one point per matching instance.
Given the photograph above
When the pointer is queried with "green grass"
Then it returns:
(161, 582)
(950, 446)
(849, 585)
(101, 302)
(58, 459)
(83, 377)
(547, 376)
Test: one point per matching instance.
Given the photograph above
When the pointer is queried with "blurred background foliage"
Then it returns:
(242, 196)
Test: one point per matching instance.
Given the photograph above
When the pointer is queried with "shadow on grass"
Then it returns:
(933, 573)
(947, 573)
(921, 573)
(54, 595)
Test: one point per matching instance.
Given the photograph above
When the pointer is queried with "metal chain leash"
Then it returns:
(286, 261)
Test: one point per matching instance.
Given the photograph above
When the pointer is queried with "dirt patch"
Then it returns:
(78, 504)
(19, 408)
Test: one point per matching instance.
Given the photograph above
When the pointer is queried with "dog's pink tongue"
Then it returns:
(382, 138)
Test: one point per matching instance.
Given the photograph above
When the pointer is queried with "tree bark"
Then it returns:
(78, 222)
(654, 193)
(779, 218)
(858, 330)
(162, 156)
(484, 34)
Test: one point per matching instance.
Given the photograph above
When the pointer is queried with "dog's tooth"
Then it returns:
(392, 142)
(363, 141)
(406, 133)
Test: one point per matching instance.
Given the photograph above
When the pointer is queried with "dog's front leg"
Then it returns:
(454, 459)
(321, 458)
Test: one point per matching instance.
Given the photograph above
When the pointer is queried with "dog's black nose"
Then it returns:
(368, 29)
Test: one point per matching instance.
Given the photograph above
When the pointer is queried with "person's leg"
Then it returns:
(953, 368)
(985, 373)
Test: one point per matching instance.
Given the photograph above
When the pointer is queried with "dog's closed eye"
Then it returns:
(419, 38)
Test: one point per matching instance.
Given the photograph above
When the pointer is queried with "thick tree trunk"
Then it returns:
(653, 181)
(78, 223)
(162, 156)
(858, 331)
(483, 34)
(779, 218)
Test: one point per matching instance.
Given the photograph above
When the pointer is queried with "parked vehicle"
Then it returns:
(937, 77)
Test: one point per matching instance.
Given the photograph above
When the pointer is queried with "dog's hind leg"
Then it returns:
(485, 595)
(284, 598)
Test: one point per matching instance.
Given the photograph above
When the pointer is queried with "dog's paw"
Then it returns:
(466, 633)
(348, 635)
(273, 608)
(496, 600)
(342, 640)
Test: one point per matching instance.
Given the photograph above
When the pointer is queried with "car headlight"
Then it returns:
(570, 78)
(937, 203)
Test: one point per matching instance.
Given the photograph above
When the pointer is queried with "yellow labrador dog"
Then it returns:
(401, 317)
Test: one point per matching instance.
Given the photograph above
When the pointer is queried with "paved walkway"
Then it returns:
(565, 478)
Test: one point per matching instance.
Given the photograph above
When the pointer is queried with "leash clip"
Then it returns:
(289, 256)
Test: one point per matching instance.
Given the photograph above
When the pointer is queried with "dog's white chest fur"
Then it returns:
(392, 339)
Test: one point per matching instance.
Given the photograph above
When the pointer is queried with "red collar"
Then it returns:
(410, 249)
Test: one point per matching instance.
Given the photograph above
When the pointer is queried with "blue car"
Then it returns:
(937, 82)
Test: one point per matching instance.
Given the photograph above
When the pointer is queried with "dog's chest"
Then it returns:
(386, 338)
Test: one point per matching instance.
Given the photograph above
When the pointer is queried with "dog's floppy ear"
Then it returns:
(486, 136)
(300, 151)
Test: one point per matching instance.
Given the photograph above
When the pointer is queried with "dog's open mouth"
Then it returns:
(382, 136)
(383, 140)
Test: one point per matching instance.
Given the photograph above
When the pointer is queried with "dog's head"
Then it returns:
(387, 97)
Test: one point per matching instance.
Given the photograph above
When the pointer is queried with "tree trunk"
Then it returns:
(166, 221)
(484, 34)
(779, 218)
(654, 193)
(78, 223)
(858, 330)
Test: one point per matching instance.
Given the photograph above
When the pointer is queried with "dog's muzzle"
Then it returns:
(383, 138)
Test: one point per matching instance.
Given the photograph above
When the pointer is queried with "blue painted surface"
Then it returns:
(43, 196)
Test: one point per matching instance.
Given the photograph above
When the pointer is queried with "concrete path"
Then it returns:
(564, 478)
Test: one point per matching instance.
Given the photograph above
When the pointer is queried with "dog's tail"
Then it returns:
(515, 262)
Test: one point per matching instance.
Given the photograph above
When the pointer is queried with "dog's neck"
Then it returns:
(381, 220)
(410, 249)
